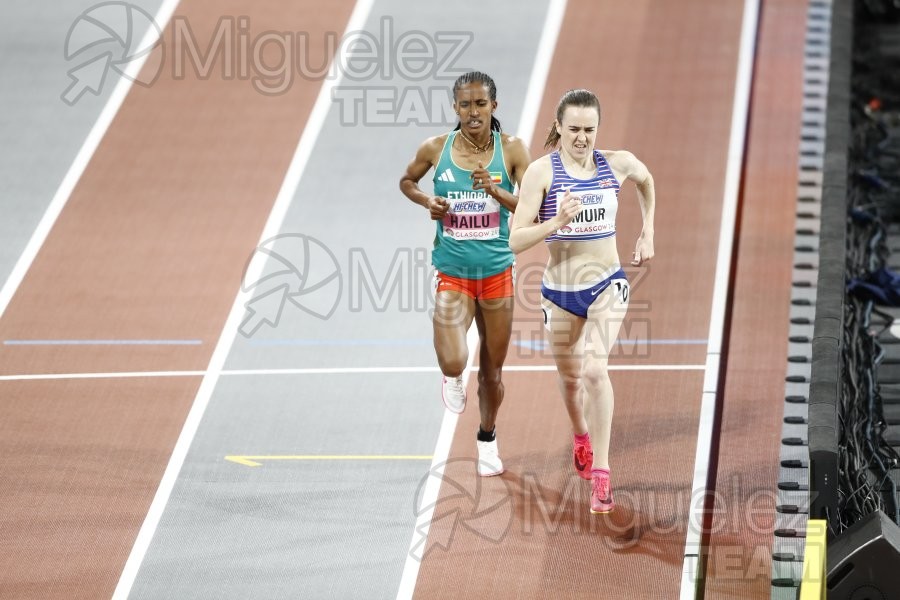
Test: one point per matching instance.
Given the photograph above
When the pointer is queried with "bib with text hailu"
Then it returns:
(473, 216)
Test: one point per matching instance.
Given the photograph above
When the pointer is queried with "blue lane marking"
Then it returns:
(350, 342)
(541, 344)
(102, 342)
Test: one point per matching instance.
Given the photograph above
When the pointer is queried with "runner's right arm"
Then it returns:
(525, 232)
(425, 159)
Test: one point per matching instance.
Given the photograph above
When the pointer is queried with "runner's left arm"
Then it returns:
(519, 159)
(643, 180)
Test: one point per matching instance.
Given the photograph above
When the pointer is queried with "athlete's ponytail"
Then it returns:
(581, 98)
(486, 81)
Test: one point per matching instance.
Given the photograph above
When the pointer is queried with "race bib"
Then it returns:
(474, 217)
(597, 215)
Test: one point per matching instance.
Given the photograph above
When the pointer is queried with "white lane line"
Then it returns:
(111, 375)
(525, 130)
(220, 354)
(734, 166)
(315, 371)
(76, 170)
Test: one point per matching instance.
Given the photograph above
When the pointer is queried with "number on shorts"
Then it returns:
(622, 290)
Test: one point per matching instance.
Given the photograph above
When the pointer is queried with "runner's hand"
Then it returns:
(569, 206)
(643, 251)
(481, 180)
(438, 207)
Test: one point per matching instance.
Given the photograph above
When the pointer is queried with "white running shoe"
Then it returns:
(453, 393)
(489, 463)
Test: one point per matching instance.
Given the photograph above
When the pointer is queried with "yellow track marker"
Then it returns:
(814, 560)
(253, 461)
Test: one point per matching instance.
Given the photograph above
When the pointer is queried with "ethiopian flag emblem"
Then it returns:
(496, 177)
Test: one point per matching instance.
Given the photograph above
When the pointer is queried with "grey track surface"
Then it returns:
(295, 529)
(41, 133)
(333, 529)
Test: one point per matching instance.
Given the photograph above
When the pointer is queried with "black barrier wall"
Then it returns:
(827, 366)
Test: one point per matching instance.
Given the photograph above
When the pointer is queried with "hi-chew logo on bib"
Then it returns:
(597, 214)
(472, 216)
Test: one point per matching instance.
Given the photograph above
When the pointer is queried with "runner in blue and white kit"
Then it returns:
(475, 169)
(573, 192)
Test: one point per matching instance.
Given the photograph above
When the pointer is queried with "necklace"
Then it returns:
(476, 147)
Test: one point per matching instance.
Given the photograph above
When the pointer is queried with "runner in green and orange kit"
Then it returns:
(476, 167)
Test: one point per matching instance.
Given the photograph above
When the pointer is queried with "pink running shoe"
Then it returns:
(601, 492)
(583, 457)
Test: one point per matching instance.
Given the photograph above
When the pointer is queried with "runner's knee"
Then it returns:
(452, 366)
(595, 374)
(489, 378)
(569, 380)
